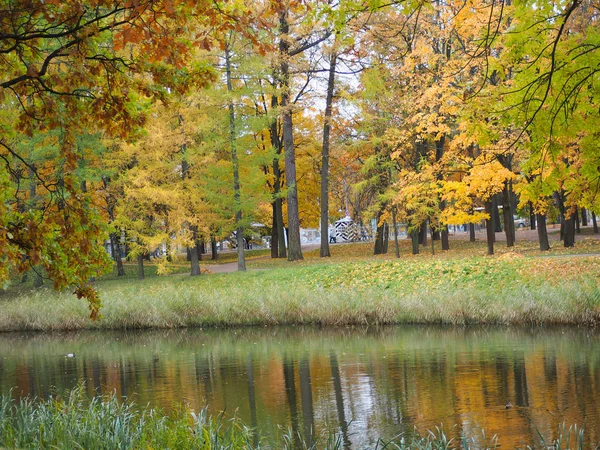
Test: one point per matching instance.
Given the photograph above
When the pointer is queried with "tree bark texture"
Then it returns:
(414, 236)
(324, 250)
(395, 225)
(542, 232)
(570, 231)
(140, 267)
(237, 191)
(507, 212)
(194, 260)
(294, 245)
(489, 227)
(532, 216)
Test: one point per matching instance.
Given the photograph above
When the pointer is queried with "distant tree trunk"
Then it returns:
(213, 249)
(277, 183)
(274, 235)
(489, 227)
(237, 192)
(414, 236)
(38, 281)
(194, 251)
(324, 251)
(445, 240)
(386, 237)
(570, 231)
(496, 219)
(584, 222)
(423, 234)
(507, 212)
(577, 225)
(395, 225)
(201, 249)
(594, 222)
(115, 249)
(140, 267)
(532, 216)
(472, 232)
(379, 236)
(294, 245)
(542, 232)
(559, 200)
(195, 262)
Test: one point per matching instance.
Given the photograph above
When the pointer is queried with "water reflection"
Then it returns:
(367, 383)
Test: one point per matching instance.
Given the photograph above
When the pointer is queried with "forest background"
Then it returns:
(179, 123)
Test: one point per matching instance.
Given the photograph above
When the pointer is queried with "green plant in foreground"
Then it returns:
(77, 422)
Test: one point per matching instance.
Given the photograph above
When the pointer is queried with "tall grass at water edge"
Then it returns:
(471, 291)
(76, 422)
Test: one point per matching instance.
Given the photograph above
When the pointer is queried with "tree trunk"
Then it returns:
(542, 232)
(213, 249)
(472, 232)
(274, 235)
(324, 251)
(570, 231)
(584, 221)
(559, 199)
(194, 261)
(237, 192)
(577, 225)
(140, 266)
(379, 237)
(395, 225)
(414, 236)
(194, 251)
(445, 240)
(507, 212)
(201, 250)
(278, 201)
(115, 248)
(496, 219)
(594, 222)
(38, 281)
(294, 245)
(386, 237)
(489, 227)
(532, 216)
(423, 234)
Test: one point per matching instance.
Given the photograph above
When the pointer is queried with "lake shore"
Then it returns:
(509, 290)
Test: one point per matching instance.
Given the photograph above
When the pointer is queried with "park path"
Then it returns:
(232, 266)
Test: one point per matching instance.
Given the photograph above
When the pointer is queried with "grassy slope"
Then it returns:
(349, 288)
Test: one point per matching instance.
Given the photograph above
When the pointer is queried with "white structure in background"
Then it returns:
(346, 230)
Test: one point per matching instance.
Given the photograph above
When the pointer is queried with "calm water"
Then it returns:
(369, 383)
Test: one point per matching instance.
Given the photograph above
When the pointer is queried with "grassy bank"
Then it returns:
(508, 289)
(105, 423)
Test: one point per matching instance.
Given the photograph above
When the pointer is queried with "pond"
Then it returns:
(368, 383)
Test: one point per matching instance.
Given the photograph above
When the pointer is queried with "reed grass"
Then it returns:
(463, 291)
(75, 422)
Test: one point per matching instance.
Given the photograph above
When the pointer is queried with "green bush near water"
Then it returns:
(105, 423)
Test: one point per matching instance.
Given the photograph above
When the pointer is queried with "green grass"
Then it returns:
(74, 422)
(479, 290)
